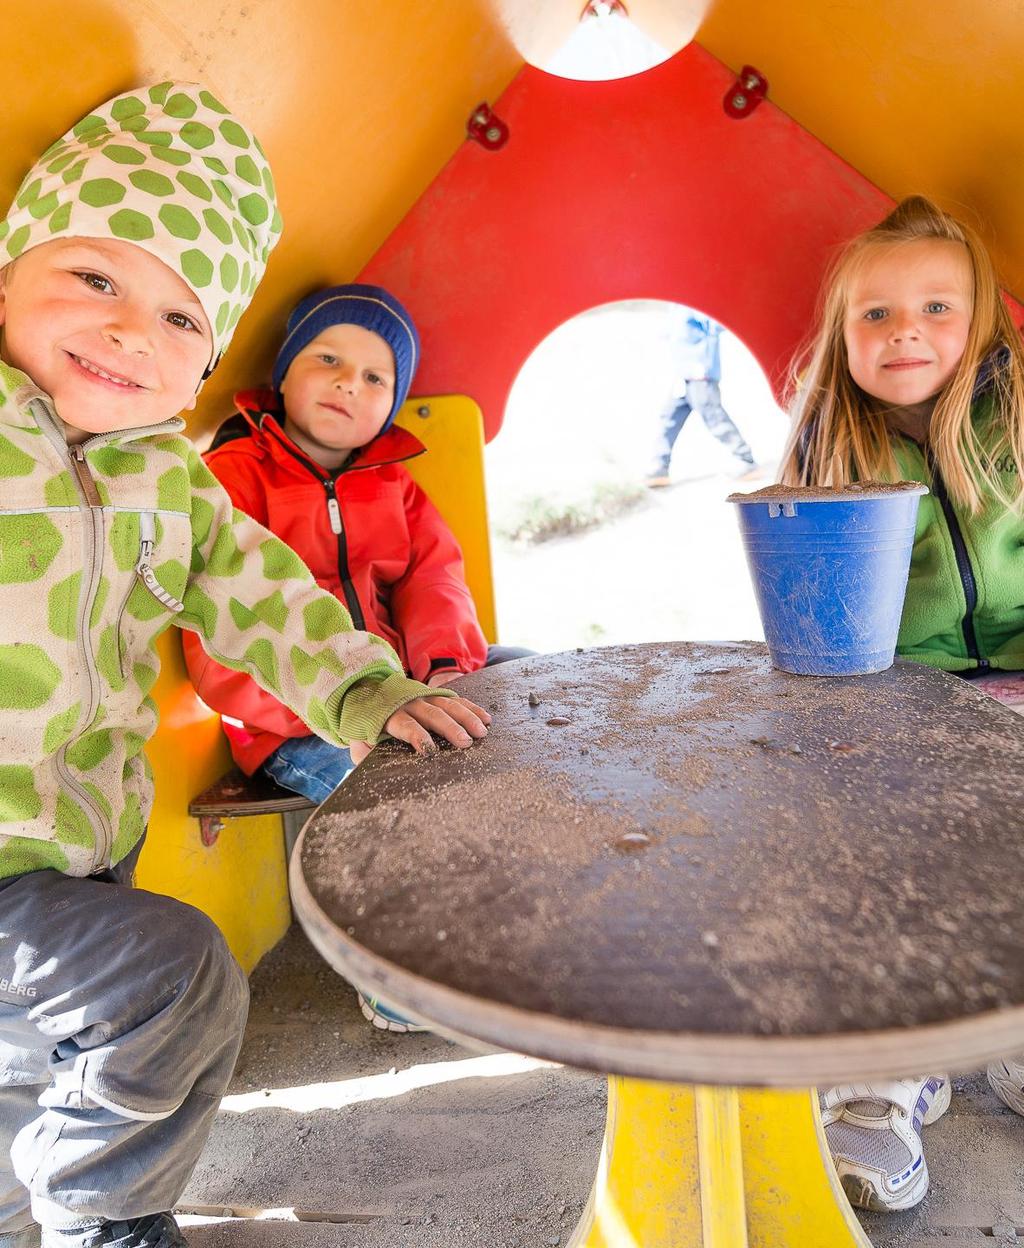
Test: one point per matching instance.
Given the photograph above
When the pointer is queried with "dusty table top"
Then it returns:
(683, 864)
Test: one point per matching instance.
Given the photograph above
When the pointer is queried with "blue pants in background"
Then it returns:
(706, 398)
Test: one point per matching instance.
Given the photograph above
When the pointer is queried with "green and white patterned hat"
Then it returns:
(169, 169)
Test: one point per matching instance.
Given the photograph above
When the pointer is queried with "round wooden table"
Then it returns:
(671, 862)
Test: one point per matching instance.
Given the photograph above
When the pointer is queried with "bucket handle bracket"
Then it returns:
(781, 509)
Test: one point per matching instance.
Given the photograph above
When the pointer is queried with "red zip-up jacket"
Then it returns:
(368, 534)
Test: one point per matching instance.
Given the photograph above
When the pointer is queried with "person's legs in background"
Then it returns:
(670, 425)
(706, 397)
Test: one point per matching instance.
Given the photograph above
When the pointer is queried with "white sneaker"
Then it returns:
(1007, 1081)
(384, 1018)
(874, 1135)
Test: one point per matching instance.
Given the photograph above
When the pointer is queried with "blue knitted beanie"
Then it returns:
(368, 306)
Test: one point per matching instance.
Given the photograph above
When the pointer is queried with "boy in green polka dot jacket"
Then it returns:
(130, 252)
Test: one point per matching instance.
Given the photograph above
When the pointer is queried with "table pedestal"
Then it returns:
(654, 866)
(699, 1167)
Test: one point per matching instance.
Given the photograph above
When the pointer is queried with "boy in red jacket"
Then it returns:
(318, 461)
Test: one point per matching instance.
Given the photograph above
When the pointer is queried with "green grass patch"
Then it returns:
(538, 519)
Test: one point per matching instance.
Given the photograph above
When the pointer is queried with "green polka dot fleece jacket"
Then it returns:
(102, 547)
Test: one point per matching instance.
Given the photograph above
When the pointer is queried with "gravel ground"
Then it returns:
(505, 1161)
(477, 1162)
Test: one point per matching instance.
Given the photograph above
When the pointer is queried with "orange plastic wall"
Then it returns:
(357, 103)
(919, 95)
(637, 188)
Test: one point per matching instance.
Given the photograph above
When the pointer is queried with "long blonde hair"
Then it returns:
(832, 415)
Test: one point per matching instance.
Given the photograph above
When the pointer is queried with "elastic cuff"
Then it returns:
(366, 706)
(54, 1218)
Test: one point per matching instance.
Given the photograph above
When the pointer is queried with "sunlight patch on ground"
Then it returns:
(339, 1093)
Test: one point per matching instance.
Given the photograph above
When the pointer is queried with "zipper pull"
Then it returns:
(145, 554)
(333, 510)
(84, 476)
(157, 590)
(143, 569)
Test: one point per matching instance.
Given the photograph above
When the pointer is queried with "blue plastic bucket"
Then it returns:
(830, 575)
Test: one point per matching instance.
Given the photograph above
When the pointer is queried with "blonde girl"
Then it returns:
(916, 372)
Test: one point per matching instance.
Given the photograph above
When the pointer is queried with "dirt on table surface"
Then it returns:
(700, 844)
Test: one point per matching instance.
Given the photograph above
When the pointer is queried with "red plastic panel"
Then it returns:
(636, 188)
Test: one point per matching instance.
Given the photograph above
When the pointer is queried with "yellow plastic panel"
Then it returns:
(793, 1194)
(722, 1201)
(707, 1167)
(358, 105)
(452, 473)
(918, 96)
(241, 880)
(647, 1191)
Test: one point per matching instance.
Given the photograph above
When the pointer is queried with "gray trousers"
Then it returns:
(121, 1016)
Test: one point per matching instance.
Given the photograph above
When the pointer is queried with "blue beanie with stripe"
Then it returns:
(368, 306)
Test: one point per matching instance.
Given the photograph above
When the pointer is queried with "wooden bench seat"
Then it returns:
(236, 795)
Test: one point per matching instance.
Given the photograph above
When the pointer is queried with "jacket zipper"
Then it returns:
(92, 551)
(338, 529)
(93, 566)
(144, 572)
(963, 563)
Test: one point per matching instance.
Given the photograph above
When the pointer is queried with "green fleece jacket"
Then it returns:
(102, 547)
(964, 608)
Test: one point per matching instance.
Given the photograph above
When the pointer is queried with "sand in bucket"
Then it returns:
(830, 566)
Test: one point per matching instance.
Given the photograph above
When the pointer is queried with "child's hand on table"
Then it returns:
(457, 720)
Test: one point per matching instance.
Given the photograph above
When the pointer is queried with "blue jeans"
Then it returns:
(706, 397)
(310, 766)
(315, 768)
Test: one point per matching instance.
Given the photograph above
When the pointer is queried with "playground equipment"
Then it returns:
(659, 186)
(672, 889)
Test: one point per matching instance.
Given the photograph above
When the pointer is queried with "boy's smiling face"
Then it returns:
(113, 335)
(338, 393)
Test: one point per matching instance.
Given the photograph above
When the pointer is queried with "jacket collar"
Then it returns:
(21, 401)
(993, 363)
(17, 392)
(262, 411)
